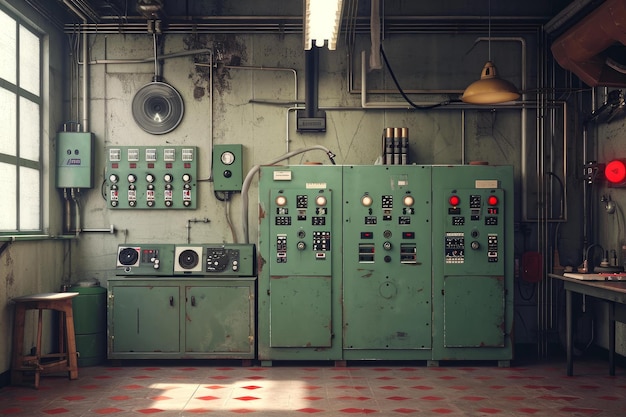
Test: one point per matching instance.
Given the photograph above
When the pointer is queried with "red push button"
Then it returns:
(454, 200)
(492, 200)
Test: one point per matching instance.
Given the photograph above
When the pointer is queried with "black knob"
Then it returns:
(228, 173)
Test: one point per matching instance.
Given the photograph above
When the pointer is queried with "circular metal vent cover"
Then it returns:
(157, 108)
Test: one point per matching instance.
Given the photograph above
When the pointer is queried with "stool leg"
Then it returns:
(72, 358)
(18, 344)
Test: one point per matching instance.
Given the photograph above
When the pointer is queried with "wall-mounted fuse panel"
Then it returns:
(75, 159)
(151, 177)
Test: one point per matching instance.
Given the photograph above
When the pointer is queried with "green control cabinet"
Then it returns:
(473, 263)
(163, 318)
(299, 305)
(387, 262)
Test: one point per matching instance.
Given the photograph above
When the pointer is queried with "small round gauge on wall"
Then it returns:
(227, 158)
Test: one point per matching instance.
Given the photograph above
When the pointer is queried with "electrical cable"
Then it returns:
(403, 94)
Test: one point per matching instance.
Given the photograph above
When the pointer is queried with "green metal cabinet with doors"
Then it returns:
(199, 318)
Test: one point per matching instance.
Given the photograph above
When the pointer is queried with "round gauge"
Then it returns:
(149, 178)
(227, 158)
(128, 256)
(188, 259)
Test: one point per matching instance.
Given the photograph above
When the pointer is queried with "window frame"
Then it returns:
(16, 160)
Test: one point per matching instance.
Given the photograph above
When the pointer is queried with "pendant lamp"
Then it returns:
(490, 89)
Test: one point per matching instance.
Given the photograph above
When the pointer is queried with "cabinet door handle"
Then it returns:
(171, 301)
(193, 300)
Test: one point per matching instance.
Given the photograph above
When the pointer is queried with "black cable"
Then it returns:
(403, 94)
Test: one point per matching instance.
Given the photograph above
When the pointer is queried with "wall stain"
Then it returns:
(227, 50)
(8, 263)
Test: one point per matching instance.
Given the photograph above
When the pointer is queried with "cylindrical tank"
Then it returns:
(89, 308)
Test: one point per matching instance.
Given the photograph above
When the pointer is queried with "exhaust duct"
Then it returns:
(593, 49)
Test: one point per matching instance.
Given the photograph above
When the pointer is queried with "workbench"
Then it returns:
(611, 292)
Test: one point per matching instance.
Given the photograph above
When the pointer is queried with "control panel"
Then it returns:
(145, 260)
(475, 223)
(302, 225)
(235, 260)
(227, 167)
(157, 177)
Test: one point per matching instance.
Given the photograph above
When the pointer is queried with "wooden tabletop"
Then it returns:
(617, 286)
(48, 296)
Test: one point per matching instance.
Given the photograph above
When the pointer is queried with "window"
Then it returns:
(20, 120)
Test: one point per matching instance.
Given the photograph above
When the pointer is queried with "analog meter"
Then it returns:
(227, 158)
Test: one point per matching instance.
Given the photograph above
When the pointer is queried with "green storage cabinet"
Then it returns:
(89, 322)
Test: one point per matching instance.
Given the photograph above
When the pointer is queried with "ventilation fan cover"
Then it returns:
(157, 108)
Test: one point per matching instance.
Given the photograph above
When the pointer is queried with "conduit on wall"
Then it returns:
(587, 49)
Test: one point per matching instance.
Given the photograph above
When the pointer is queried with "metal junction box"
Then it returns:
(75, 160)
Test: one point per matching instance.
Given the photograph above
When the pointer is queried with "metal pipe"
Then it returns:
(150, 60)
(257, 68)
(85, 104)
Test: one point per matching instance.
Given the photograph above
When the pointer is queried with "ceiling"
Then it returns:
(286, 16)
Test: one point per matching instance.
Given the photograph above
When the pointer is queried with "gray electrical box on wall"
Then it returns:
(227, 167)
(75, 160)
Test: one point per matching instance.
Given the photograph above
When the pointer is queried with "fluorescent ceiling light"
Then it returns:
(322, 21)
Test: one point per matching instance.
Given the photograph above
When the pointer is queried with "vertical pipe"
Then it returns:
(311, 81)
(85, 120)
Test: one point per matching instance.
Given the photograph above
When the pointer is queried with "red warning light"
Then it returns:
(615, 172)
(492, 200)
(454, 200)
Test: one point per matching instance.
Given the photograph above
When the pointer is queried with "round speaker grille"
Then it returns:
(188, 259)
(128, 256)
(157, 108)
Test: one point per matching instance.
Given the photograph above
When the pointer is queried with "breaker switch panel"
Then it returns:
(158, 177)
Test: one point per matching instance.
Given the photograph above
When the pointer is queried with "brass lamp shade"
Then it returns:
(490, 89)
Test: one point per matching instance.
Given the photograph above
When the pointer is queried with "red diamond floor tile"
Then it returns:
(534, 389)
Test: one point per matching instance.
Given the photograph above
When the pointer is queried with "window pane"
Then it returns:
(29, 61)
(29, 199)
(8, 202)
(7, 48)
(29, 130)
(7, 121)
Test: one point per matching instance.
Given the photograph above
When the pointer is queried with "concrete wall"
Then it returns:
(252, 107)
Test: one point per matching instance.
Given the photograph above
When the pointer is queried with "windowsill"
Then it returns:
(17, 238)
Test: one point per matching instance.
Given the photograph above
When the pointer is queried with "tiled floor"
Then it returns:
(527, 388)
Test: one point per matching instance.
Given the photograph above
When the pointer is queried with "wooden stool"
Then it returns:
(37, 362)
